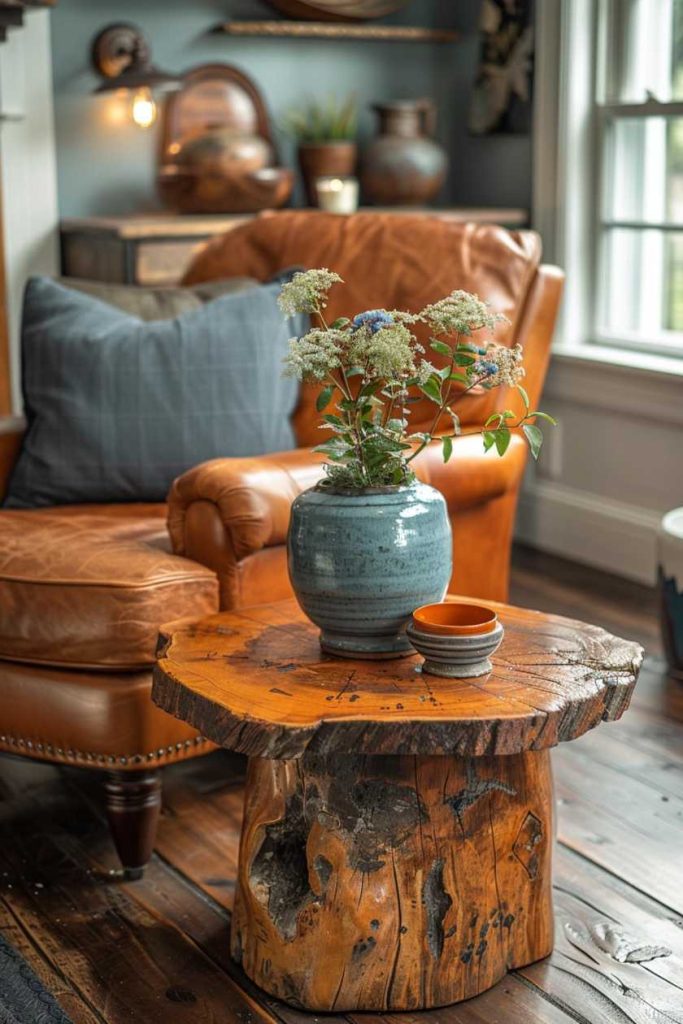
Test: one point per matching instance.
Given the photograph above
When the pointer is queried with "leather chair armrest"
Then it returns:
(231, 508)
(222, 511)
(11, 433)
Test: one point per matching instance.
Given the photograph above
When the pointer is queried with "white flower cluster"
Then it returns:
(507, 363)
(424, 371)
(388, 352)
(459, 313)
(313, 356)
(307, 291)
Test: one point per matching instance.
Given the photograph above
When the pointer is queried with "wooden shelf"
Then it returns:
(332, 30)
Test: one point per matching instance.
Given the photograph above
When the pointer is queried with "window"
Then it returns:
(638, 290)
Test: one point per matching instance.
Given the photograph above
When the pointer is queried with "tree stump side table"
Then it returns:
(398, 828)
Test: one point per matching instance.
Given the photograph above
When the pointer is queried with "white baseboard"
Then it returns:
(588, 528)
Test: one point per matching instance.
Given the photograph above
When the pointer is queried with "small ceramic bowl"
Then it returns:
(455, 639)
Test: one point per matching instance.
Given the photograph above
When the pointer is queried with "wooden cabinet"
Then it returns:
(156, 249)
(145, 250)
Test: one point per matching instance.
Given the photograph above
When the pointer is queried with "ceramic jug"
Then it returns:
(403, 165)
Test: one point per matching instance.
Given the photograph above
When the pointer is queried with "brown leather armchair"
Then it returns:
(83, 589)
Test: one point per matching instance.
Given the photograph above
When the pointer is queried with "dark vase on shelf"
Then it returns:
(403, 165)
(325, 159)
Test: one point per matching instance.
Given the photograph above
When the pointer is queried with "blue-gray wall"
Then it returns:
(108, 166)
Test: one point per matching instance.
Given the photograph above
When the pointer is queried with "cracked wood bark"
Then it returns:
(393, 883)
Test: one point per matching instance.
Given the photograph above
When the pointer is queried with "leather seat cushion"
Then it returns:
(97, 720)
(88, 586)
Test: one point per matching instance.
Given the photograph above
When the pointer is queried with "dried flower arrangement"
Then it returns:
(369, 365)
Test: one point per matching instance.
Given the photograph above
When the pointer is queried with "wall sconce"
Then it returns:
(120, 54)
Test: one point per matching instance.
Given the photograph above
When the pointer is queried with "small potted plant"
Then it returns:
(370, 543)
(326, 136)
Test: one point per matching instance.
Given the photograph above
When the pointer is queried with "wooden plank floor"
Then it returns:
(157, 950)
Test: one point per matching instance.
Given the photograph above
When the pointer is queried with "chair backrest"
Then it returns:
(393, 261)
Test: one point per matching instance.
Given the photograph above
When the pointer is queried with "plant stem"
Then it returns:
(444, 404)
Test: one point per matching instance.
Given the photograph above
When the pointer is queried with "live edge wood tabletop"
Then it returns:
(398, 828)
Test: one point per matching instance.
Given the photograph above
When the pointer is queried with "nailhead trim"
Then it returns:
(124, 759)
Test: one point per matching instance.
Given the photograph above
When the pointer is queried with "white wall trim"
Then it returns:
(588, 379)
(564, 192)
(28, 170)
(587, 528)
(545, 195)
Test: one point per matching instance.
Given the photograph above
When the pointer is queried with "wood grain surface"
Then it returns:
(256, 682)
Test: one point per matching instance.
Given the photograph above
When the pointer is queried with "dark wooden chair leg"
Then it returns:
(133, 805)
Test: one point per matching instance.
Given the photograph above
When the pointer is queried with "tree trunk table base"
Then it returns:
(398, 828)
(393, 883)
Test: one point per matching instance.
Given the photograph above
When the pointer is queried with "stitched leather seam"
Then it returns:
(33, 748)
(108, 584)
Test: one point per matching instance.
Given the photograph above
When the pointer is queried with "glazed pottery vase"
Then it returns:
(361, 562)
(404, 166)
(325, 160)
(670, 582)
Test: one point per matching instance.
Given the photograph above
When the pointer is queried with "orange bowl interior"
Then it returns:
(455, 618)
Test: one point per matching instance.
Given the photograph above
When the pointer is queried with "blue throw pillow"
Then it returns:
(118, 407)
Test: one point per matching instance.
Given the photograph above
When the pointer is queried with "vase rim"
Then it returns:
(360, 492)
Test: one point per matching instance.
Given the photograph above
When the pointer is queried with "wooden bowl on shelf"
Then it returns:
(217, 150)
(266, 189)
(338, 10)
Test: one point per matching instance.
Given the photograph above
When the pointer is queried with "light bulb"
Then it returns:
(144, 109)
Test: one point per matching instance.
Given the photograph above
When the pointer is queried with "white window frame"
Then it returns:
(571, 121)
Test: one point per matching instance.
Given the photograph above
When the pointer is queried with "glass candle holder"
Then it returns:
(337, 195)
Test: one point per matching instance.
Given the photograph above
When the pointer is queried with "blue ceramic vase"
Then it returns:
(360, 563)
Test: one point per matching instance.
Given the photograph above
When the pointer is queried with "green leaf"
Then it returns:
(489, 439)
(462, 359)
(525, 397)
(502, 440)
(447, 446)
(333, 450)
(331, 418)
(534, 436)
(444, 372)
(495, 416)
(544, 416)
(432, 390)
(441, 347)
(336, 444)
(323, 399)
(355, 371)
(395, 426)
(460, 377)
(342, 321)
